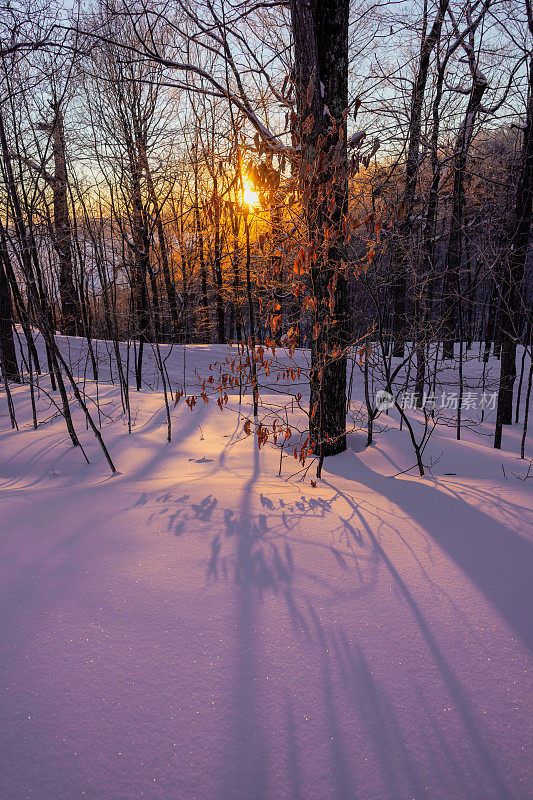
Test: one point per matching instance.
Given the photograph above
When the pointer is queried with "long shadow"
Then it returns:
(498, 560)
(378, 714)
(246, 770)
(183, 425)
(451, 681)
(42, 579)
(341, 774)
(55, 441)
(295, 777)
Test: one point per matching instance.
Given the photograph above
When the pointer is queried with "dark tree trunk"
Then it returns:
(170, 289)
(411, 175)
(184, 260)
(141, 263)
(251, 319)
(320, 32)
(514, 273)
(218, 265)
(7, 343)
(492, 310)
(235, 311)
(204, 324)
(70, 311)
(451, 283)
(430, 223)
(156, 303)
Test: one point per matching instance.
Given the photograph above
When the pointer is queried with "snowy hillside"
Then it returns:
(198, 627)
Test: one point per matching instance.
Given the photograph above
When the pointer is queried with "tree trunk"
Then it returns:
(170, 289)
(7, 343)
(514, 274)
(235, 311)
(451, 283)
(412, 167)
(204, 326)
(70, 312)
(141, 263)
(320, 32)
(218, 265)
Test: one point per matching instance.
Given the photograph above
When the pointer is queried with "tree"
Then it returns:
(8, 354)
(70, 307)
(412, 165)
(513, 274)
(320, 31)
(479, 85)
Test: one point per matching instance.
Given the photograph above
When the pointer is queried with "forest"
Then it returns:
(266, 330)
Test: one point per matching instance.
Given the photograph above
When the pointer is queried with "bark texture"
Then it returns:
(514, 273)
(70, 310)
(320, 31)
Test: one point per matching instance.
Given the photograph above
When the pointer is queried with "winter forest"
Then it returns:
(266, 460)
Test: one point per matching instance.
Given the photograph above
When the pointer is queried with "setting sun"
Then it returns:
(249, 195)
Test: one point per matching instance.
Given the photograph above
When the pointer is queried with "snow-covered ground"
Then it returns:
(198, 628)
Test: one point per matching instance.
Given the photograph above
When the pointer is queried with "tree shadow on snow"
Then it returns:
(498, 560)
(252, 552)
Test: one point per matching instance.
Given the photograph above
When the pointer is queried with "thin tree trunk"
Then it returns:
(412, 168)
(218, 265)
(7, 342)
(451, 284)
(70, 311)
(204, 325)
(510, 305)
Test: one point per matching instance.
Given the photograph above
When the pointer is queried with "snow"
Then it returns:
(197, 627)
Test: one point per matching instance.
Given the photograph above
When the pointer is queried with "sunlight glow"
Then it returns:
(249, 195)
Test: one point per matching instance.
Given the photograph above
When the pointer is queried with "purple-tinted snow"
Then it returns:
(198, 628)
